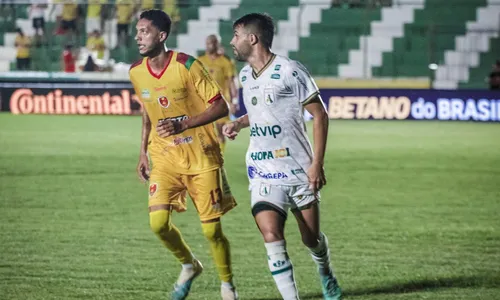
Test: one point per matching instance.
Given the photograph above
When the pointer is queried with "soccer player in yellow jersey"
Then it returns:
(181, 101)
(222, 70)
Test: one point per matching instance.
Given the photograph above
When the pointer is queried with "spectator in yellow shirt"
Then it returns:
(94, 15)
(124, 13)
(23, 57)
(171, 8)
(95, 43)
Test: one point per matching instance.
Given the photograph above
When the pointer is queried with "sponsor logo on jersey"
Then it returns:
(254, 100)
(243, 79)
(179, 90)
(153, 187)
(253, 173)
(183, 140)
(277, 67)
(298, 171)
(253, 88)
(273, 130)
(145, 94)
(163, 101)
(275, 76)
(175, 119)
(272, 154)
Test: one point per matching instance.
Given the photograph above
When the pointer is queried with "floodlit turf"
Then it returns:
(411, 210)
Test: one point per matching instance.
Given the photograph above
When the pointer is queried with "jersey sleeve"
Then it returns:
(301, 83)
(205, 85)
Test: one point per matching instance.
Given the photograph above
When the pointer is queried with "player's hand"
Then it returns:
(316, 175)
(230, 130)
(166, 128)
(143, 168)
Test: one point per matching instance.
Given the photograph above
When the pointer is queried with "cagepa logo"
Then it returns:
(253, 173)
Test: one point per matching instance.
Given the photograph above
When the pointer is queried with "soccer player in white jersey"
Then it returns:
(284, 172)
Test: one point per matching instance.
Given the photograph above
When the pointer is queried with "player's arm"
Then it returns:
(209, 92)
(320, 128)
(306, 90)
(143, 165)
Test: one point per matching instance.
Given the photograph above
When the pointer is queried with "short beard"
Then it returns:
(153, 52)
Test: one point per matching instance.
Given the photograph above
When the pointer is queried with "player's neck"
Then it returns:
(213, 56)
(260, 59)
(157, 63)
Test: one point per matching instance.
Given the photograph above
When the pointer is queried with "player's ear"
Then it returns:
(163, 36)
(254, 39)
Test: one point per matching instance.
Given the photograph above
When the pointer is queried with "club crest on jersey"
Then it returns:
(163, 101)
(269, 96)
(153, 187)
(265, 189)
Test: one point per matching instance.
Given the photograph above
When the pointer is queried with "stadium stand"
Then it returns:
(333, 38)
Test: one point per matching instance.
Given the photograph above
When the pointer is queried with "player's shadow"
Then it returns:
(414, 286)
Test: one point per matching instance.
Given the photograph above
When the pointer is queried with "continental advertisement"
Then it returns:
(352, 104)
(69, 98)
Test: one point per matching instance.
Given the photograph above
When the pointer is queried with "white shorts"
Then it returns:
(282, 197)
(93, 24)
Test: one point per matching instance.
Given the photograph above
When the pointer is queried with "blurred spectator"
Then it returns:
(68, 19)
(171, 8)
(69, 59)
(36, 13)
(145, 5)
(124, 13)
(496, 66)
(494, 78)
(90, 65)
(23, 57)
(95, 12)
(95, 43)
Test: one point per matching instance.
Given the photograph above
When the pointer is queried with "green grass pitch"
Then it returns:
(411, 210)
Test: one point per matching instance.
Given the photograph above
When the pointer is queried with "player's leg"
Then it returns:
(167, 193)
(307, 214)
(269, 208)
(212, 197)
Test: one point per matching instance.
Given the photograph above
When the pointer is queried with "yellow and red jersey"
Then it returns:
(182, 90)
(221, 69)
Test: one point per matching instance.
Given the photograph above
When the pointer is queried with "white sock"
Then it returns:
(321, 256)
(281, 269)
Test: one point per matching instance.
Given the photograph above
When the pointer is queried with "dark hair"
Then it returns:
(89, 65)
(260, 24)
(158, 18)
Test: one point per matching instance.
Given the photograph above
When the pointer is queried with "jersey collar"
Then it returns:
(256, 75)
(158, 76)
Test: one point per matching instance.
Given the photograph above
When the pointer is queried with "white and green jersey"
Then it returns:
(279, 150)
